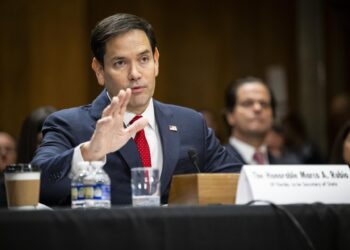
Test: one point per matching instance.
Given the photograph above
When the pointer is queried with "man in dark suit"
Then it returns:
(250, 108)
(126, 62)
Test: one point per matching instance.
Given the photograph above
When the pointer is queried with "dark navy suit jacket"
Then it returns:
(285, 159)
(65, 129)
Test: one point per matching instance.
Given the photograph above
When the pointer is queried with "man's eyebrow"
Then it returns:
(145, 52)
(115, 58)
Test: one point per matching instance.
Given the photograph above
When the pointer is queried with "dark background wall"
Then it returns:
(297, 47)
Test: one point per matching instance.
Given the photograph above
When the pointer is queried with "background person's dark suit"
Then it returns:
(66, 129)
(285, 158)
(3, 201)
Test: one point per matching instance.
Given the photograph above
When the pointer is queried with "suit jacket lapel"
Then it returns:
(232, 150)
(170, 142)
(130, 154)
(99, 104)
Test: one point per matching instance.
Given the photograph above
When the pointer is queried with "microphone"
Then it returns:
(192, 154)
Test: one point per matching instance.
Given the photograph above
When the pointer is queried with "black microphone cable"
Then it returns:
(292, 218)
(192, 154)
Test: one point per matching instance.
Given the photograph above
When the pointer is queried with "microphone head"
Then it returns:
(192, 153)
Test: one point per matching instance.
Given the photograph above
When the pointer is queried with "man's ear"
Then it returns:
(230, 118)
(98, 69)
(156, 61)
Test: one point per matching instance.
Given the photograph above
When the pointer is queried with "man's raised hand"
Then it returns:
(110, 133)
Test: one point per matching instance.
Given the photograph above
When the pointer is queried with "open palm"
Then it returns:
(110, 133)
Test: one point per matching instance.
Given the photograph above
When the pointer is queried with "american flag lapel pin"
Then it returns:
(173, 128)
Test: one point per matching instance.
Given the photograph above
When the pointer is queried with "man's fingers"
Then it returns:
(102, 123)
(118, 104)
(137, 126)
(110, 109)
(125, 101)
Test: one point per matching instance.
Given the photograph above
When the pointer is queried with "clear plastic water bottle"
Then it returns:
(78, 187)
(97, 187)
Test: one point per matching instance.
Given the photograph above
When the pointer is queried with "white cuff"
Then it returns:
(78, 158)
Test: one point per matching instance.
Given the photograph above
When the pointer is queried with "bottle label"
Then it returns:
(81, 192)
(89, 191)
(78, 196)
(78, 192)
(98, 196)
(102, 192)
(74, 193)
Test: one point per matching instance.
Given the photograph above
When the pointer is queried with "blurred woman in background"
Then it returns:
(30, 135)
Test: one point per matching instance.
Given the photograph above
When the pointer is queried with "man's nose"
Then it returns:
(3, 157)
(257, 106)
(2, 152)
(134, 73)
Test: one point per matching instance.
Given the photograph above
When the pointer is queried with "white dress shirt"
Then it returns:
(247, 151)
(151, 133)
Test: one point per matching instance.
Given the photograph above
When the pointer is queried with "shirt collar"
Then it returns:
(246, 150)
(148, 113)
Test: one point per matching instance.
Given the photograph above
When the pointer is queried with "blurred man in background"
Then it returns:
(7, 157)
(250, 108)
(7, 150)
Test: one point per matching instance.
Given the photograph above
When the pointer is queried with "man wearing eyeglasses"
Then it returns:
(250, 108)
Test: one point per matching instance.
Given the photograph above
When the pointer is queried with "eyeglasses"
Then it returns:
(252, 103)
(6, 150)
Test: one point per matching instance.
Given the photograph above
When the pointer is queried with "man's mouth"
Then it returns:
(137, 89)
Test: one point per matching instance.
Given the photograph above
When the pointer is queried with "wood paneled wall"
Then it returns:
(44, 58)
(45, 55)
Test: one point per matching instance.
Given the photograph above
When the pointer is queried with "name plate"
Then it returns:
(286, 184)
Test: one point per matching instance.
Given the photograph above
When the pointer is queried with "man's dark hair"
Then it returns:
(231, 93)
(338, 146)
(28, 139)
(115, 25)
